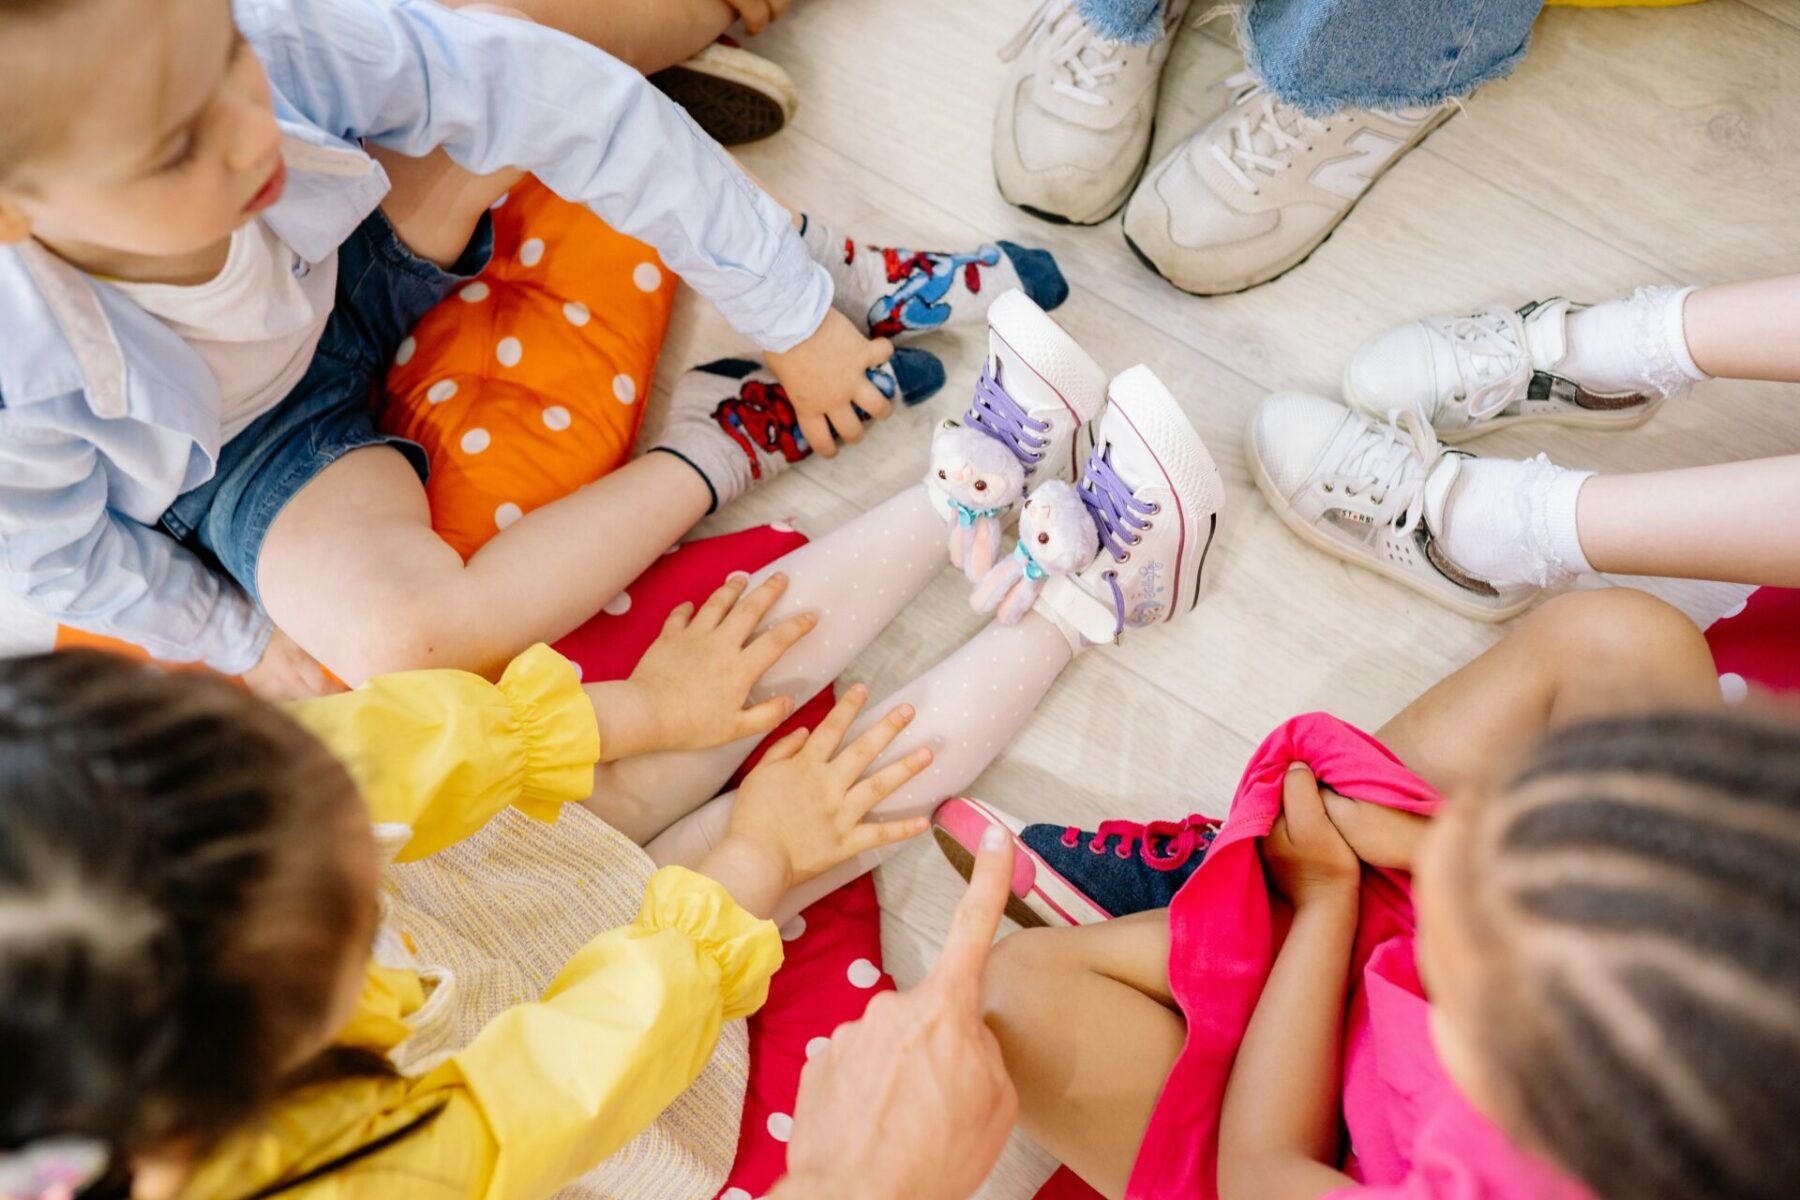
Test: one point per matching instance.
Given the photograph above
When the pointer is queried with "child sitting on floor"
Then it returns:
(1594, 997)
(222, 220)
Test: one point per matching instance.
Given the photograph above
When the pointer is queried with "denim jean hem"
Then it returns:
(1116, 22)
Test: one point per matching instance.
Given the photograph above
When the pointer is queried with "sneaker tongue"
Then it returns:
(1438, 486)
(1546, 334)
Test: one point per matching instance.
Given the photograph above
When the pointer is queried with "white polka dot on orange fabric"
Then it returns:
(509, 351)
(441, 391)
(793, 929)
(475, 293)
(781, 1126)
(576, 313)
(499, 202)
(557, 418)
(476, 440)
(618, 606)
(531, 251)
(1733, 688)
(403, 354)
(625, 388)
(506, 514)
(647, 276)
(816, 1047)
(863, 973)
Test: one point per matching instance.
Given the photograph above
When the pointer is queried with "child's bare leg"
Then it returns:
(969, 707)
(1581, 655)
(1745, 330)
(1087, 1100)
(855, 579)
(648, 34)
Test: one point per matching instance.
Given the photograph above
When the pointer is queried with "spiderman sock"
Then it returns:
(895, 293)
(732, 422)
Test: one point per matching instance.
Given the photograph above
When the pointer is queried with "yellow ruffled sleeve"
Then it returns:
(443, 751)
(624, 1028)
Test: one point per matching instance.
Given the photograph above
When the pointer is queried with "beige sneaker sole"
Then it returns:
(734, 95)
(1616, 422)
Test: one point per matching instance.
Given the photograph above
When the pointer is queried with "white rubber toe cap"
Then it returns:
(1397, 369)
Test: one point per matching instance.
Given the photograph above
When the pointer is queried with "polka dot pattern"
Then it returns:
(557, 418)
(404, 352)
(624, 389)
(506, 514)
(618, 606)
(1734, 688)
(863, 973)
(795, 929)
(531, 251)
(509, 351)
(576, 313)
(781, 1126)
(476, 440)
(816, 1047)
(647, 276)
(475, 292)
(442, 390)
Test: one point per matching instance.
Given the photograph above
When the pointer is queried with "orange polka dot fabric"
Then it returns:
(530, 381)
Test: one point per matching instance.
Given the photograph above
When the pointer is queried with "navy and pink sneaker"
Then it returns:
(1067, 876)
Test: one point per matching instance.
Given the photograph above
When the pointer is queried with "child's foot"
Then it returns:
(1038, 389)
(1479, 536)
(1155, 495)
(1066, 876)
(1609, 366)
(734, 95)
(1076, 112)
(732, 422)
(900, 293)
(1255, 192)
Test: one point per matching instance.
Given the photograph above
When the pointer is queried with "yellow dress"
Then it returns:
(525, 1099)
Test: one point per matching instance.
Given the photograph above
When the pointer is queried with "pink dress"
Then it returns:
(1412, 1135)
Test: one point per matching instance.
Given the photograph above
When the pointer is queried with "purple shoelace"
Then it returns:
(1120, 517)
(997, 414)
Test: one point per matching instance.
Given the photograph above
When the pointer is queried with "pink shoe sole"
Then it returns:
(1040, 896)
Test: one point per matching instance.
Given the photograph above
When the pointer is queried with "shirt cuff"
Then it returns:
(788, 304)
(746, 949)
(558, 735)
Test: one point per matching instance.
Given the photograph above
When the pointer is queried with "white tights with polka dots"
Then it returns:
(857, 579)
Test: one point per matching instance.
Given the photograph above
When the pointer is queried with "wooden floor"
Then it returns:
(1632, 147)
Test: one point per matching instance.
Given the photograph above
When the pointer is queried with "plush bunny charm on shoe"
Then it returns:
(1057, 536)
(973, 481)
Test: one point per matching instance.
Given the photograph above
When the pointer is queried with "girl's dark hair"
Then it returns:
(1635, 893)
(174, 914)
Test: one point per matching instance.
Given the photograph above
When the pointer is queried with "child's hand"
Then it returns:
(756, 14)
(803, 808)
(826, 381)
(696, 677)
(1307, 858)
(286, 672)
(1380, 836)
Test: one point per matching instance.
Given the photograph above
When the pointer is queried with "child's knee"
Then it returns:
(1625, 634)
(1014, 983)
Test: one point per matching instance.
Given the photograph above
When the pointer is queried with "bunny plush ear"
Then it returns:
(993, 588)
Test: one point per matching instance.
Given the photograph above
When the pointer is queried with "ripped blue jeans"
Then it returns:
(1323, 55)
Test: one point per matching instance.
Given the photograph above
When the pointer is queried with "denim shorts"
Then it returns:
(383, 288)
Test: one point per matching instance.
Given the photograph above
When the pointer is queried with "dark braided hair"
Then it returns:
(174, 916)
(1635, 894)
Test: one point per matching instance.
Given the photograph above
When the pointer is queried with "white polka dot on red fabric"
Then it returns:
(863, 973)
(782, 526)
(441, 391)
(404, 353)
(500, 201)
(647, 276)
(625, 388)
(793, 929)
(509, 351)
(781, 1126)
(576, 313)
(618, 606)
(676, 548)
(816, 1047)
(475, 293)
(557, 418)
(506, 514)
(1733, 688)
(734, 1194)
(476, 440)
(577, 666)
(1735, 610)
(531, 251)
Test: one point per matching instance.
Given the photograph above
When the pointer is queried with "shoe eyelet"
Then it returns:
(1331, 487)
(1122, 851)
(1155, 510)
(1125, 558)
(1097, 847)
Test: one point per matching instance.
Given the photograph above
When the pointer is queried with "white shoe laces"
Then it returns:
(1262, 140)
(1390, 461)
(1492, 358)
(1085, 63)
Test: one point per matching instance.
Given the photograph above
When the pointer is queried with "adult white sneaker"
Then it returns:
(1073, 127)
(1470, 375)
(1256, 191)
(1155, 495)
(1037, 390)
(1372, 493)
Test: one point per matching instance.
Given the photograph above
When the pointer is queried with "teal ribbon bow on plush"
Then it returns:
(1032, 569)
(966, 516)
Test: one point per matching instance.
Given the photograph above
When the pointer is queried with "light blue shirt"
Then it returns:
(106, 416)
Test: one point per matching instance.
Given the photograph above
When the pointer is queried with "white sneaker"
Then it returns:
(1155, 495)
(1073, 127)
(1037, 389)
(1470, 375)
(1256, 191)
(1372, 493)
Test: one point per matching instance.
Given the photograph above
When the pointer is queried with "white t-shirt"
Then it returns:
(255, 324)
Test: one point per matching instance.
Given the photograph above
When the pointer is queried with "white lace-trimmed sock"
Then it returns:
(1637, 342)
(895, 293)
(1512, 521)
